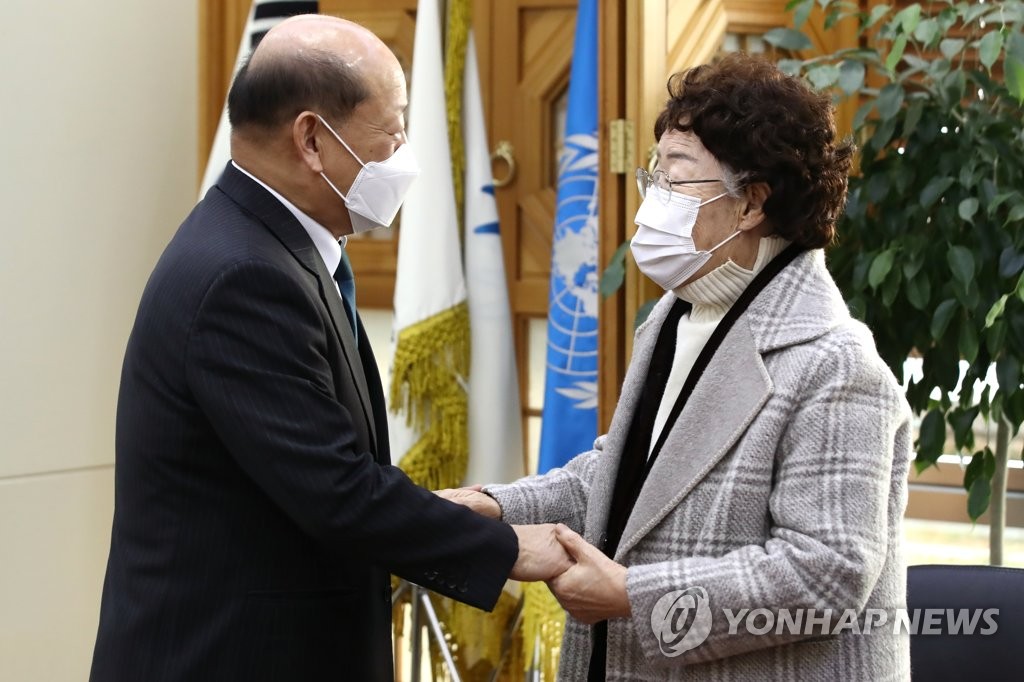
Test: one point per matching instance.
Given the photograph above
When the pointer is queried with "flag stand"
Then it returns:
(419, 600)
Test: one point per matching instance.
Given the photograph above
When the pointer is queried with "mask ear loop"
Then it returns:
(338, 138)
(336, 190)
(724, 241)
(714, 198)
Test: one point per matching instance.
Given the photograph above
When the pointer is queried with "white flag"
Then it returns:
(495, 426)
(431, 335)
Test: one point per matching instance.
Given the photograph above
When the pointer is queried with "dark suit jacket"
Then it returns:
(257, 516)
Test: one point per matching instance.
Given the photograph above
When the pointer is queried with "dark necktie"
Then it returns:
(347, 285)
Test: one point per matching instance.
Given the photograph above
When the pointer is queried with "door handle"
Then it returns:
(504, 152)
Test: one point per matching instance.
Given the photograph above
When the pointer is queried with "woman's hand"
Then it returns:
(594, 588)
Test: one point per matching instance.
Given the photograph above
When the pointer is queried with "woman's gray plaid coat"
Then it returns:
(782, 485)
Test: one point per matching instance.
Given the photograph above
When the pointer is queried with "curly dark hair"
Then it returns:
(767, 127)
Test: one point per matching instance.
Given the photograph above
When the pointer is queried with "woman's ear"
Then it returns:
(753, 210)
(307, 146)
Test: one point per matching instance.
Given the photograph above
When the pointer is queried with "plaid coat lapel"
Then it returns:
(798, 305)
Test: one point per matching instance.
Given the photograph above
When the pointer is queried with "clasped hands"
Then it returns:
(587, 584)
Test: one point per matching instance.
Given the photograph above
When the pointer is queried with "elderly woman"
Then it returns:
(757, 458)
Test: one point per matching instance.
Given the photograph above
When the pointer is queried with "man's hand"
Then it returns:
(541, 556)
(471, 497)
(594, 588)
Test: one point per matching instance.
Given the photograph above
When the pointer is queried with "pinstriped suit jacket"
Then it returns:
(782, 485)
(257, 515)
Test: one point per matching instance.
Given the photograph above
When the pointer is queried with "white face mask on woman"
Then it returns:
(377, 192)
(663, 245)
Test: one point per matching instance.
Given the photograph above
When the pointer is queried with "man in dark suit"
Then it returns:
(257, 515)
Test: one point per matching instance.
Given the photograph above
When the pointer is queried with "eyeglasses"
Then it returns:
(660, 179)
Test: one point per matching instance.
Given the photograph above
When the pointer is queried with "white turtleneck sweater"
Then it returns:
(711, 297)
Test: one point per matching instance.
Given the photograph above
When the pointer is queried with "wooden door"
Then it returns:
(527, 85)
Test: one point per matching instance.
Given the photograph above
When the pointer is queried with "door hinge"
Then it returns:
(620, 147)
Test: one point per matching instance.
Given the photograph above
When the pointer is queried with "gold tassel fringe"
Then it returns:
(543, 626)
(431, 360)
(457, 38)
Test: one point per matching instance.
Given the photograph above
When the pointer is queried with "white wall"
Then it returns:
(97, 169)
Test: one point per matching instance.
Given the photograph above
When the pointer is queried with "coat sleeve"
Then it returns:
(257, 364)
(839, 484)
(558, 496)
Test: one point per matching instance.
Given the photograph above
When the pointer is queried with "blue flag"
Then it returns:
(570, 389)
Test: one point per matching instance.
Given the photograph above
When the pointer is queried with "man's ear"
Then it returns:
(304, 138)
(753, 210)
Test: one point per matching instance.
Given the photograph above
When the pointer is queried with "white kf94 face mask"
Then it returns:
(663, 245)
(380, 187)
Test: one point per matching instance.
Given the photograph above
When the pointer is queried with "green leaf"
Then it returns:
(891, 287)
(988, 464)
(615, 273)
(1013, 68)
(791, 67)
(832, 18)
(896, 53)
(926, 31)
(998, 200)
(1011, 262)
(951, 47)
(968, 341)
(913, 117)
(883, 134)
(978, 497)
(1019, 290)
(880, 267)
(933, 190)
(862, 114)
(1015, 45)
(788, 39)
(878, 187)
(954, 84)
(877, 12)
(961, 263)
(941, 318)
(996, 311)
(991, 46)
(962, 422)
(823, 76)
(643, 312)
(931, 439)
(909, 17)
(851, 76)
(995, 337)
(912, 264)
(1016, 214)
(973, 11)
(803, 10)
(975, 468)
(968, 207)
(919, 291)
(890, 99)
(1008, 374)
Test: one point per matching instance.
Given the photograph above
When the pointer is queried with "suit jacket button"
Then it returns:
(464, 588)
